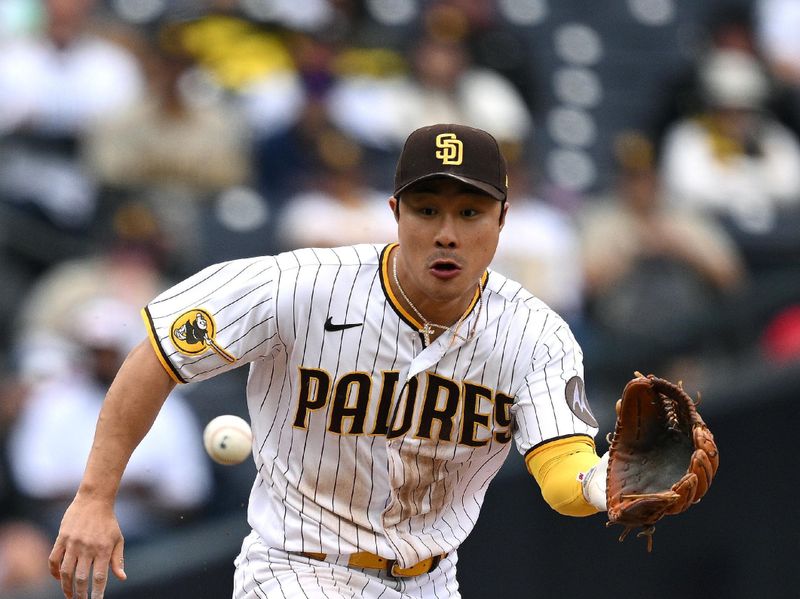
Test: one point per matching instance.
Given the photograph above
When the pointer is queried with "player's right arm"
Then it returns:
(89, 539)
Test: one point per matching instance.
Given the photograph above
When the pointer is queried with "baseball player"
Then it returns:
(387, 385)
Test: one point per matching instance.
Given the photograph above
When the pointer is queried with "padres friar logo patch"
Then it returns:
(193, 332)
(577, 402)
(451, 149)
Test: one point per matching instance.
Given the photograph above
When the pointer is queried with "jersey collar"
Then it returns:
(394, 302)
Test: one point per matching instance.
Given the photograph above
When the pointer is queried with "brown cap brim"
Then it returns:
(497, 194)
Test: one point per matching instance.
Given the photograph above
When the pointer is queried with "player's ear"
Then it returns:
(503, 213)
(394, 204)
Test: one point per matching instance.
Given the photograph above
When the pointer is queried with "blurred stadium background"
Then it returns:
(656, 190)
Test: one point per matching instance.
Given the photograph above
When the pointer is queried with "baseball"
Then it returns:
(228, 439)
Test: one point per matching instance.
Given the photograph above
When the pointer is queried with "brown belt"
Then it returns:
(364, 559)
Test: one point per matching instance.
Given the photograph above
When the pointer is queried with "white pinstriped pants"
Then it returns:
(267, 573)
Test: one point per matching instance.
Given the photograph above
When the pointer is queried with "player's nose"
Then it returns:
(447, 233)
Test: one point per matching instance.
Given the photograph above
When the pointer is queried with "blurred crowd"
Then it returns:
(142, 140)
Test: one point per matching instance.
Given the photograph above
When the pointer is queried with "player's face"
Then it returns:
(448, 233)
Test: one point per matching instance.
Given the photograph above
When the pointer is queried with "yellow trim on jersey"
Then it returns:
(557, 466)
(151, 334)
(390, 292)
(385, 275)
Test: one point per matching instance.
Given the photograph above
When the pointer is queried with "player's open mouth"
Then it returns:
(445, 269)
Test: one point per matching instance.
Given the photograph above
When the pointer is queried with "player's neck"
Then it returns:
(438, 314)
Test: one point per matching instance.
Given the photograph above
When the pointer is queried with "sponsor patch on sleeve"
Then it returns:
(577, 401)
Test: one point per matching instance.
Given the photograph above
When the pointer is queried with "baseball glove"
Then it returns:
(662, 456)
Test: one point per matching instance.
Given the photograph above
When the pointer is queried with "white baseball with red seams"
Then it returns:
(228, 439)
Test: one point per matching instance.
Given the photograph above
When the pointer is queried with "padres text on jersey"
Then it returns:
(368, 440)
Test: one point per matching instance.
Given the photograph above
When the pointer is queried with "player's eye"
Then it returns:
(469, 212)
(427, 211)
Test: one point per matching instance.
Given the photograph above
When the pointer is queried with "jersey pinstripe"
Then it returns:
(265, 572)
(365, 439)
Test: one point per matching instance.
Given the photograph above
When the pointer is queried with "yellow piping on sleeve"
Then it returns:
(151, 334)
(557, 467)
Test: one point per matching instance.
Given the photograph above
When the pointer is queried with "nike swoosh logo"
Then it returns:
(329, 326)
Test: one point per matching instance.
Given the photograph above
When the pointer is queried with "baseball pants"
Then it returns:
(267, 573)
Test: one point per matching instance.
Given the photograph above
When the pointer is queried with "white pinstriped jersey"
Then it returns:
(364, 439)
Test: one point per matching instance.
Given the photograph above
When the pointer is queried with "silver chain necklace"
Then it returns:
(428, 327)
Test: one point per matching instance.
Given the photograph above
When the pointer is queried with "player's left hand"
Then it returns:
(662, 457)
(88, 541)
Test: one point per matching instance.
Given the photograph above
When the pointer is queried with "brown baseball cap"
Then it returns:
(456, 151)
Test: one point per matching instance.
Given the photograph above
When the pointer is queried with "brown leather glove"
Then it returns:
(662, 456)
